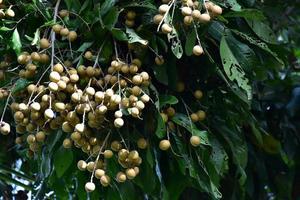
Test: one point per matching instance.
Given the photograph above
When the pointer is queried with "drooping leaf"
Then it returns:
(262, 30)
(133, 37)
(233, 69)
(16, 42)
(63, 159)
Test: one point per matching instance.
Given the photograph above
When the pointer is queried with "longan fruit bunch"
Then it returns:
(129, 19)
(191, 12)
(64, 31)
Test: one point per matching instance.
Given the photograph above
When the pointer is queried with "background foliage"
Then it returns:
(249, 77)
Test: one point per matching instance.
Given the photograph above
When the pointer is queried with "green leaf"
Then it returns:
(133, 37)
(63, 159)
(15, 182)
(119, 34)
(167, 99)
(3, 28)
(16, 42)
(174, 39)
(262, 30)
(106, 6)
(36, 37)
(233, 69)
(190, 42)
(185, 121)
(161, 130)
(73, 5)
(111, 18)
(253, 14)
(84, 46)
(142, 4)
(234, 5)
(20, 85)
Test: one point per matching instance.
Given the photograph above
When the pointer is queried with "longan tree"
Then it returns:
(171, 99)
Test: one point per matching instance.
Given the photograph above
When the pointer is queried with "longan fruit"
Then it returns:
(57, 28)
(121, 177)
(90, 187)
(44, 43)
(105, 180)
(157, 18)
(99, 173)
(195, 140)
(10, 13)
(4, 128)
(201, 114)
(166, 28)
(88, 55)
(63, 13)
(64, 32)
(159, 60)
(198, 94)
(164, 145)
(130, 15)
(142, 143)
(170, 112)
(72, 36)
(40, 136)
(163, 8)
(108, 154)
(186, 11)
(116, 145)
(130, 173)
(194, 117)
(197, 50)
(180, 87)
(67, 143)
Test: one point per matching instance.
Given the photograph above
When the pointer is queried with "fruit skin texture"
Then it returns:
(164, 145)
(195, 140)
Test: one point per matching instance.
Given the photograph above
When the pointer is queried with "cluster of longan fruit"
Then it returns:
(6, 13)
(64, 32)
(191, 12)
(129, 19)
(128, 160)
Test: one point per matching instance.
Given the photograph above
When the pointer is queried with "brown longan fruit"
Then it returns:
(35, 56)
(142, 143)
(170, 112)
(81, 165)
(72, 36)
(64, 32)
(116, 145)
(194, 117)
(90, 187)
(201, 114)
(157, 18)
(105, 180)
(57, 28)
(121, 177)
(130, 15)
(88, 55)
(197, 50)
(31, 139)
(166, 28)
(163, 8)
(99, 173)
(198, 94)
(130, 173)
(40, 136)
(44, 43)
(108, 154)
(63, 13)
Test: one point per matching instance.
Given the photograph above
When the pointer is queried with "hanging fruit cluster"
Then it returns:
(193, 14)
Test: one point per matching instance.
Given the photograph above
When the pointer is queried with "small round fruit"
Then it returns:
(49, 114)
(166, 28)
(31, 139)
(198, 94)
(35, 106)
(64, 32)
(116, 145)
(188, 20)
(105, 180)
(186, 11)
(57, 28)
(195, 140)
(79, 128)
(108, 154)
(54, 76)
(88, 55)
(159, 60)
(198, 50)
(201, 114)
(119, 122)
(121, 177)
(216, 10)
(90, 186)
(163, 8)
(204, 18)
(72, 36)
(40, 136)
(142, 143)
(99, 173)
(58, 68)
(131, 15)
(44, 43)
(4, 128)
(10, 13)
(63, 13)
(164, 145)
(67, 143)
(129, 23)
(81, 165)
(157, 18)
(145, 98)
(194, 117)
(130, 173)
(53, 86)
(170, 112)
(196, 14)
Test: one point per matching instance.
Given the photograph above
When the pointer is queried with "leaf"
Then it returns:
(190, 42)
(234, 5)
(253, 14)
(15, 182)
(106, 6)
(73, 5)
(16, 173)
(36, 37)
(63, 159)
(84, 46)
(133, 37)
(184, 121)
(173, 38)
(119, 34)
(233, 69)
(16, 42)
(259, 44)
(111, 18)
(161, 130)
(142, 4)
(262, 30)
(3, 28)
(167, 99)
(20, 85)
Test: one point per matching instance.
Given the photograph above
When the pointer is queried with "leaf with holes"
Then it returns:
(134, 37)
(233, 69)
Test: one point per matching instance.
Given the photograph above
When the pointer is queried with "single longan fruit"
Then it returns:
(130, 173)
(57, 28)
(216, 10)
(129, 23)
(81, 165)
(196, 14)
(164, 145)
(130, 15)
(186, 11)
(10, 13)
(116, 145)
(105, 180)
(198, 50)
(201, 114)
(163, 8)
(35, 56)
(157, 18)
(108, 154)
(159, 60)
(88, 55)
(188, 20)
(4, 128)
(198, 94)
(121, 177)
(195, 140)
(99, 173)
(58, 68)
(166, 28)
(142, 143)
(31, 139)
(204, 18)
(64, 32)
(40, 136)
(44, 43)
(67, 143)
(90, 187)
(63, 13)
(194, 117)
(72, 36)
(180, 87)
(170, 112)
